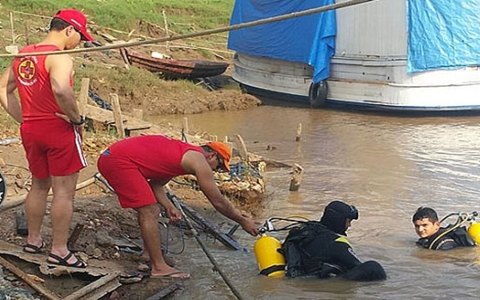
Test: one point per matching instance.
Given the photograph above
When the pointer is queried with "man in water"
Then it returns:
(322, 249)
(434, 237)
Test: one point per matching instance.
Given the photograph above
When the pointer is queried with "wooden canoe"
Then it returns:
(175, 68)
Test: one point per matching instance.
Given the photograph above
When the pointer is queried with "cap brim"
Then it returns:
(86, 36)
(226, 166)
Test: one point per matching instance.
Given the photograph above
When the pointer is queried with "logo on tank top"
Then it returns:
(27, 71)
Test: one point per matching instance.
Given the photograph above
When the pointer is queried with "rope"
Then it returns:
(298, 14)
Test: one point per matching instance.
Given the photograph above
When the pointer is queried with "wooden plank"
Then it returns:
(92, 287)
(24, 276)
(117, 115)
(105, 116)
(83, 97)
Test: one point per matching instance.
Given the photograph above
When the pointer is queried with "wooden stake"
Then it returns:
(11, 26)
(167, 44)
(24, 276)
(185, 125)
(83, 97)
(126, 62)
(77, 231)
(242, 149)
(297, 174)
(299, 132)
(117, 115)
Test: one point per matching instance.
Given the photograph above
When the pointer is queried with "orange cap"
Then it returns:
(224, 151)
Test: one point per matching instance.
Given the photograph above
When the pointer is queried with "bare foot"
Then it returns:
(168, 272)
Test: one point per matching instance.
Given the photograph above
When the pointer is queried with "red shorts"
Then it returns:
(53, 148)
(131, 187)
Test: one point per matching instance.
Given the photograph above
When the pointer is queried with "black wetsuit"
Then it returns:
(446, 239)
(313, 249)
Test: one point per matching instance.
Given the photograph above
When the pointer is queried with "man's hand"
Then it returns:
(174, 215)
(250, 226)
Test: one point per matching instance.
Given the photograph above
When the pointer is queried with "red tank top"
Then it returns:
(34, 86)
(157, 157)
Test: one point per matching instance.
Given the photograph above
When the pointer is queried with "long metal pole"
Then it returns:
(298, 14)
(202, 245)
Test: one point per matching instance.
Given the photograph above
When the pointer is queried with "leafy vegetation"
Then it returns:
(123, 14)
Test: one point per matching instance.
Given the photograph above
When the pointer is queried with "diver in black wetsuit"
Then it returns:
(322, 249)
(434, 237)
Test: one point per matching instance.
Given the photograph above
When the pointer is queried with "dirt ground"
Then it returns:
(105, 224)
(96, 208)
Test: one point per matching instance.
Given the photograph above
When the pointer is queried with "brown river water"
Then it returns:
(387, 166)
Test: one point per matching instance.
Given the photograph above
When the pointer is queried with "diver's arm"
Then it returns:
(342, 254)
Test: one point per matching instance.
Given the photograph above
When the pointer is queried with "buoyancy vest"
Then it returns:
(303, 259)
(446, 238)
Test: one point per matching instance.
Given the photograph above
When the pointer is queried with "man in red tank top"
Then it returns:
(50, 130)
(137, 168)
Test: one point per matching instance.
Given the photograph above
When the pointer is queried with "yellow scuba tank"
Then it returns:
(270, 262)
(474, 232)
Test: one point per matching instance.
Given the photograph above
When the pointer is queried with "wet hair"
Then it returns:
(425, 213)
(58, 24)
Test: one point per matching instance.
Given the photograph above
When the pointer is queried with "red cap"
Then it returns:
(224, 151)
(77, 19)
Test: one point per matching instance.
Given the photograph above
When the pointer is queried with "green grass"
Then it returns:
(123, 14)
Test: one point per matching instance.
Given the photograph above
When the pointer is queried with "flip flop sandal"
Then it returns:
(63, 261)
(179, 275)
(30, 248)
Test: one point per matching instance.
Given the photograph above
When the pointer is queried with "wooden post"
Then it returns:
(27, 32)
(77, 231)
(11, 26)
(137, 113)
(299, 132)
(126, 62)
(117, 115)
(83, 97)
(297, 174)
(225, 139)
(242, 149)
(185, 125)
(167, 44)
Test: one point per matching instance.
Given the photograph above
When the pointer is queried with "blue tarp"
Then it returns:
(443, 34)
(309, 39)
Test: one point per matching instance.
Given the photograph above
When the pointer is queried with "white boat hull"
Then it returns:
(378, 83)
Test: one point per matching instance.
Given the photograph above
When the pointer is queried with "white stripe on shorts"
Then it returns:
(78, 144)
